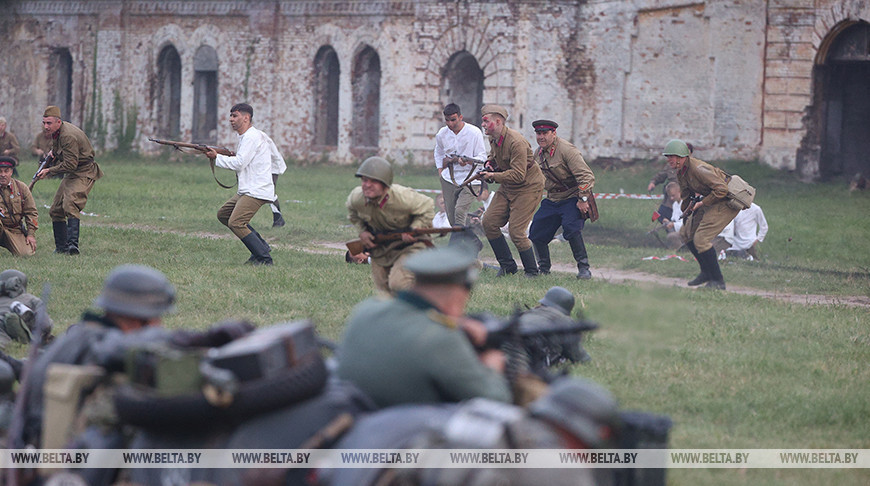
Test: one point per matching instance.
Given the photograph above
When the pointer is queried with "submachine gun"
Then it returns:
(47, 160)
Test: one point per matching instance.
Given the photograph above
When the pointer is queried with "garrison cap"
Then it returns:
(52, 111)
(453, 264)
(497, 109)
(544, 125)
(7, 161)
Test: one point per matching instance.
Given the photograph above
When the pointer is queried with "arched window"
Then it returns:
(326, 71)
(205, 90)
(846, 101)
(366, 87)
(169, 92)
(60, 82)
(462, 82)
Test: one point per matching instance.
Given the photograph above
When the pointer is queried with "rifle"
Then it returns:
(476, 177)
(45, 161)
(15, 436)
(692, 200)
(356, 246)
(199, 147)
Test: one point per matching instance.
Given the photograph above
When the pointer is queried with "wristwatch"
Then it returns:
(584, 198)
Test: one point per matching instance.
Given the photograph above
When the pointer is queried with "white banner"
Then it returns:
(435, 458)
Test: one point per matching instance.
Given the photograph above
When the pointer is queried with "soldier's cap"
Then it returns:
(544, 125)
(52, 111)
(7, 161)
(497, 109)
(453, 264)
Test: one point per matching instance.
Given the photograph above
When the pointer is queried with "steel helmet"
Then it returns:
(559, 298)
(12, 283)
(584, 408)
(676, 147)
(376, 168)
(137, 291)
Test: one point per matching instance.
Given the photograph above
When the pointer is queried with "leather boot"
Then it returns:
(277, 220)
(259, 251)
(702, 277)
(503, 255)
(530, 267)
(59, 228)
(72, 236)
(578, 249)
(711, 263)
(543, 251)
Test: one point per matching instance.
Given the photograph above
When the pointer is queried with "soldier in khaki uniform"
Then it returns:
(74, 159)
(378, 205)
(8, 142)
(511, 164)
(569, 181)
(41, 145)
(18, 215)
(709, 216)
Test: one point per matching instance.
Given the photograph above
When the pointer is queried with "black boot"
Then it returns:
(702, 277)
(259, 252)
(277, 220)
(60, 236)
(711, 263)
(530, 268)
(543, 251)
(503, 255)
(578, 249)
(72, 236)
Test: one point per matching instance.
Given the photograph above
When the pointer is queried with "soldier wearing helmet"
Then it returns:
(378, 205)
(708, 216)
(556, 307)
(17, 324)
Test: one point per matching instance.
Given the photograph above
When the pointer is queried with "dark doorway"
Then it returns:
(366, 88)
(846, 85)
(462, 82)
(169, 92)
(60, 84)
(326, 75)
(205, 90)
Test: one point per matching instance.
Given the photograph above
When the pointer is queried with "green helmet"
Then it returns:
(12, 283)
(559, 298)
(137, 291)
(584, 408)
(376, 168)
(676, 147)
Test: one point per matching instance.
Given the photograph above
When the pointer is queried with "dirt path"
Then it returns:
(606, 274)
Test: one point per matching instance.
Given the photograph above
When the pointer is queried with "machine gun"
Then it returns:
(356, 246)
(201, 148)
(47, 160)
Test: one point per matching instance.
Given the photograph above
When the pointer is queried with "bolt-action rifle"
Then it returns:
(356, 246)
(201, 148)
(47, 160)
(487, 167)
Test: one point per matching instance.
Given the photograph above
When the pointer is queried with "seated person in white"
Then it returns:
(750, 228)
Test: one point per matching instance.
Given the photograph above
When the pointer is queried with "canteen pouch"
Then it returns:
(740, 193)
(63, 389)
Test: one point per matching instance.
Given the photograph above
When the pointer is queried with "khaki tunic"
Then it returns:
(74, 159)
(709, 220)
(9, 142)
(40, 142)
(566, 174)
(400, 209)
(16, 203)
(520, 190)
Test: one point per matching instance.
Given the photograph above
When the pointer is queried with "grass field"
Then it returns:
(732, 371)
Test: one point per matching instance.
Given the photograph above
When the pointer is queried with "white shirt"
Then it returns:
(749, 225)
(677, 217)
(278, 165)
(440, 220)
(468, 142)
(253, 164)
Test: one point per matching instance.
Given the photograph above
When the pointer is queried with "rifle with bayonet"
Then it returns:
(356, 246)
(201, 148)
(47, 160)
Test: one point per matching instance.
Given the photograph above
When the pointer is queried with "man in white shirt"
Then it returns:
(278, 168)
(253, 166)
(750, 228)
(455, 144)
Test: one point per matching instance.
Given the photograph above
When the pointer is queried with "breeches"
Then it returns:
(705, 224)
(238, 212)
(516, 208)
(393, 278)
(15, 242)
(551, 215)
(70, 198)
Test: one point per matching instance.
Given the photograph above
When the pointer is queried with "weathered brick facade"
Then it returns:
(735, 77)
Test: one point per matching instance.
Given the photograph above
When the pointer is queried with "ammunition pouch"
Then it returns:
(266, 370)
(65, 386)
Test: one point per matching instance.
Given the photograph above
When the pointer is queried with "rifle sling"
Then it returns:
(211, 163)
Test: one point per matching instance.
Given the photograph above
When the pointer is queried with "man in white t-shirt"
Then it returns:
(457, 146)
(253, 166)
(750, 228)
